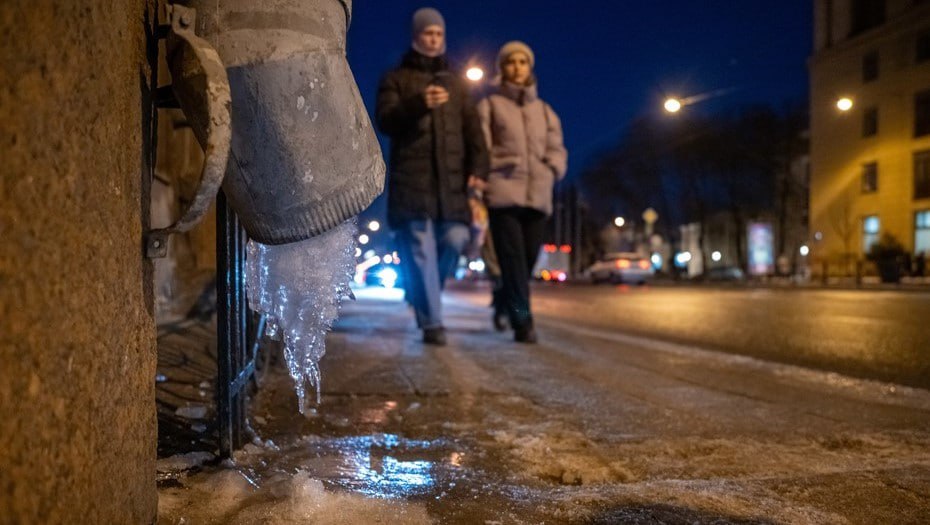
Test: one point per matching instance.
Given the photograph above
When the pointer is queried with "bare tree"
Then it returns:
(691, 168)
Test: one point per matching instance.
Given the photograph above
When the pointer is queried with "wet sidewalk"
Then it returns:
(584, 428)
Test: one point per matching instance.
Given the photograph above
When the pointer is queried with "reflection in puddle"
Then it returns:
(407, 474)
(382, 465)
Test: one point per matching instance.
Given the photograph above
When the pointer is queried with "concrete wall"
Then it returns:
(838, 149)
(77, 342)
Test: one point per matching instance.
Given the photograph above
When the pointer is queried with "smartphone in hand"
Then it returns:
(442, 79)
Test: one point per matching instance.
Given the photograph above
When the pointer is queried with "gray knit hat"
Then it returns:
(515, 46)
(425, 17)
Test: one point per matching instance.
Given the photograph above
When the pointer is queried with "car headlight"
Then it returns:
(388, 277)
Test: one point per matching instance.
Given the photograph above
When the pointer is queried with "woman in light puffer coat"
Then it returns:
(527, 158)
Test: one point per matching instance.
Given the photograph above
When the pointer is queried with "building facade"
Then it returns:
(870, 153)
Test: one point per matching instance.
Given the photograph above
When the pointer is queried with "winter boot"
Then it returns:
(525, 334)
(434, 336)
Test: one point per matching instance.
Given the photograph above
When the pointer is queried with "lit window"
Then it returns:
(922, 232)
(870, 177)
(870, 228)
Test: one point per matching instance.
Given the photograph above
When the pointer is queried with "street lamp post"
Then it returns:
(650, 216)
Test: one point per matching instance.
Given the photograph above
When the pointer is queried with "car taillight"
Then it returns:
(644, 264)
(623, 264)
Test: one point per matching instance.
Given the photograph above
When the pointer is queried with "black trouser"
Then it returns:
(498, 301)
(518, 234)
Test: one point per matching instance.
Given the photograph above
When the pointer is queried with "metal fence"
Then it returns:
(235, 332)
(238, 332)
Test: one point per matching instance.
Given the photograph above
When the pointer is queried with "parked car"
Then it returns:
(553, 263)
(622, 267)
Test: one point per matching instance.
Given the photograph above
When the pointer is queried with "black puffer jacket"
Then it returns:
(432, 151)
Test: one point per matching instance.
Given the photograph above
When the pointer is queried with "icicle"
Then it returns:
(299, 287)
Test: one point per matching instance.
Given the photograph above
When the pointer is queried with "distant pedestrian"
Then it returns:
(528, 156)
(920, 263)
(437, 151)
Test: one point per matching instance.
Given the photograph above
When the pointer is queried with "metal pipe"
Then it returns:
(304, 155)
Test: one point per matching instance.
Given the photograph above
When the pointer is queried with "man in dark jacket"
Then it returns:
(437, 151)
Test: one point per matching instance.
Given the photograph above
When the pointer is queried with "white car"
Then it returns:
(622, 267)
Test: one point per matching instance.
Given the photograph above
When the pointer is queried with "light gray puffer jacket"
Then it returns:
(525, 143)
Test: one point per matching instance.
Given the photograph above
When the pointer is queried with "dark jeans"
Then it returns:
(518, 234)
(429, 251)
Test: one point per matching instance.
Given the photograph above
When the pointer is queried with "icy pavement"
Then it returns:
(590, 426)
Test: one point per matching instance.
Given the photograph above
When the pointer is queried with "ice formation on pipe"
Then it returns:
(299, 287)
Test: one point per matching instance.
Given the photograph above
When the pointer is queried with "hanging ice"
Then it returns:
(299, 287)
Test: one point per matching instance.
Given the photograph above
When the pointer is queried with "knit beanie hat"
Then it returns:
(423, 18)
(515, 46)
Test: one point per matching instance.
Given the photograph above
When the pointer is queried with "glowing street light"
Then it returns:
(805, 250)
(374, 226)
(363, 239)
(844, 104)
(672, 105)
(716, 256)
(474, 73)
(619, 222)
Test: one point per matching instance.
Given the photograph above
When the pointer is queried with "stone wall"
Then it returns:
(77, 339)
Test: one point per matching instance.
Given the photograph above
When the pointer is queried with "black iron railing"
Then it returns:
(238, 333)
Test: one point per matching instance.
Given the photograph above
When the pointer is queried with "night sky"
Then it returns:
(601, 64)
